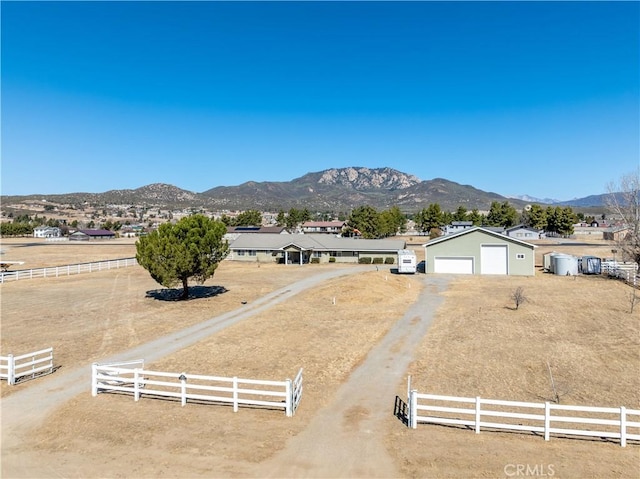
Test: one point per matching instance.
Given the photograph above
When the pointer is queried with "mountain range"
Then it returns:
(335, 189)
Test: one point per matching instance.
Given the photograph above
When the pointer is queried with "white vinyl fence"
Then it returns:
(27, 365)
(56, 271)
(542, 418)
(131, 377)
(627, 272)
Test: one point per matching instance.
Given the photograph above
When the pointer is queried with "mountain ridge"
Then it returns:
(333, 189)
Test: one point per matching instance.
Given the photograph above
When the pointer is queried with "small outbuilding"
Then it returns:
(480, 251)
(86, 235)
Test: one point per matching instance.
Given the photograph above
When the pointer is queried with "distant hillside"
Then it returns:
(335, 189)
(588, 201)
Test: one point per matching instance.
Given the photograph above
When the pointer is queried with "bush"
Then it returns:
(389, 260)
(364, 260)
(378, 260)
(332, 259)
(315, 260)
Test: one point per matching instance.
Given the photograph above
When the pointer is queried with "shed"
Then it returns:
(85, 235)
(480, 251)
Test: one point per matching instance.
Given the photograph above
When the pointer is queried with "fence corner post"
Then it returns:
(94, 379)
(547, 420)
(289, 399)
(478, 414)
(413, 409)
(623, 426)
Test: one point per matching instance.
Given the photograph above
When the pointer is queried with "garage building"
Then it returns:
(480, 251)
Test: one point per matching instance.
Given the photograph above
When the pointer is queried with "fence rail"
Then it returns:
(628, 272)
(38, 363)
(56, 271)
(542, 418)
(132, 378)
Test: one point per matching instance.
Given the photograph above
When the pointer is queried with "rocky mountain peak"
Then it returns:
(361, 178)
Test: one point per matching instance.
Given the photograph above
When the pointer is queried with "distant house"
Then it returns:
(524, 233)
(47, 232)
(457, 226)
(616, 233)
(86, 235)
(480, 251)
(310, 248)
(330, 227)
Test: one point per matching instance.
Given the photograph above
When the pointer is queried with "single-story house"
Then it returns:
(308, 248)
(86, 235)
(480, 251)
(47, 232)
(524, 232)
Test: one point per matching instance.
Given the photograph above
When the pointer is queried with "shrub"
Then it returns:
(332, 259)
(315, 260)
(364, 260)
(389, 260)
(378, 260)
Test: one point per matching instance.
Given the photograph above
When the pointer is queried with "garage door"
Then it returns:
(453, 265)
(493, 259)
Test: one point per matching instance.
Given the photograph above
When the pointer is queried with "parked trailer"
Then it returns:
(407, 262)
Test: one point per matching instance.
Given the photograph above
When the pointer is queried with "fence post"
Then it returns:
(11, 373)
(408, 387)
(235, 394)
(289, 398)
(477, 414)
(547, 420)
(414, 409)
(94, 379)
(136, 385)
(183, 388)
(623, 426)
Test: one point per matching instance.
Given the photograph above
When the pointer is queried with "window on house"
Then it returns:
(252, 252)
(240, 252)
(520, 256)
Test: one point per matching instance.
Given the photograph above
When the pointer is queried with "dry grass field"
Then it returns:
(477, 345)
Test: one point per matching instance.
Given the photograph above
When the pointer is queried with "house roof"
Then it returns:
(521, 227)
(96, 232)
(486, 231)
(315, 242)
(255, 229)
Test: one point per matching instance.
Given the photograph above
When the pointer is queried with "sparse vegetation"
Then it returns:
(518, 297)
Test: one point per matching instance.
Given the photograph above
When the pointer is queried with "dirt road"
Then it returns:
(346, 439)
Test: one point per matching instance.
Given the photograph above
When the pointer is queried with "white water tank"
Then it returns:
(565, 265)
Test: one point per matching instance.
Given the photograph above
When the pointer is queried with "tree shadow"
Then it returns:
(195, 292)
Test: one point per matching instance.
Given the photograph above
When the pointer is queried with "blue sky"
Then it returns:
(510, 97)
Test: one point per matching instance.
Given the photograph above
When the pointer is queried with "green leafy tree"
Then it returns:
(366, 220)
(192, 248)
(460, 214)
(248, 218)
(475, 217)
(281, 219)
(560, 220)
(535, 217)
(392, 222)
(430, 218)
(502, 214)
